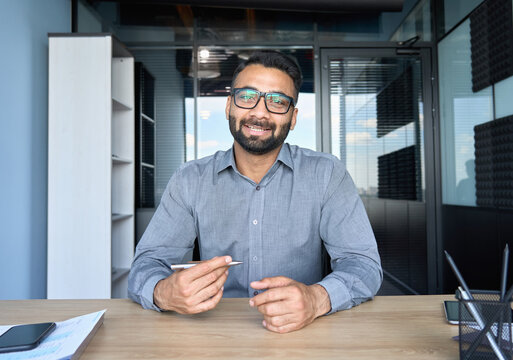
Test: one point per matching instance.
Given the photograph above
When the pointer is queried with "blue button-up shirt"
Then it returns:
(307, 200)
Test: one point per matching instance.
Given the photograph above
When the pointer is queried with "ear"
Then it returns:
(227, 108)
(294, 118)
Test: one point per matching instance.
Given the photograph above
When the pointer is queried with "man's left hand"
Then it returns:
(288, 305)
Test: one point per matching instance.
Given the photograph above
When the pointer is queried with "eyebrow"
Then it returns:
(267, 92)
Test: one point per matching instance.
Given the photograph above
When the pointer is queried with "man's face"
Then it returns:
(257, 130)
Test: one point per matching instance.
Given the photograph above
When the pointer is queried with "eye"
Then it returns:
(278, 100)
(246, 95)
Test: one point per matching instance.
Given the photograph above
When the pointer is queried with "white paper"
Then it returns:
(62, 342)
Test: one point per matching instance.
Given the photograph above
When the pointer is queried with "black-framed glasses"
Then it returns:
(276, 103)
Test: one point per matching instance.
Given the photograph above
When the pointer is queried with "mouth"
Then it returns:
(257, 130)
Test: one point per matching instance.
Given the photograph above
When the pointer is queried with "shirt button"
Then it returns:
(255, 258)
(258, 187)
(255, 293)
(255, 222)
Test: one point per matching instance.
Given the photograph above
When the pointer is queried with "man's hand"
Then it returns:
(289, 305)
(194, 290)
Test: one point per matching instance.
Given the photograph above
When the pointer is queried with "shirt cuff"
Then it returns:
(339, 294)
(148, 288)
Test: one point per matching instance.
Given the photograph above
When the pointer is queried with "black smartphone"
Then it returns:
(24, 337)
(451, 311)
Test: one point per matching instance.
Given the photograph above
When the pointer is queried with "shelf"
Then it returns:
(118, 273)
(145, 138)
(146, 117)
(119, 160)
(119, 105)
(118, 217)
(122, 85)
(95, 122)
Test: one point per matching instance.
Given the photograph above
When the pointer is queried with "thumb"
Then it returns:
(271, 282)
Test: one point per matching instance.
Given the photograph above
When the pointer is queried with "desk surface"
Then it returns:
(389, 327)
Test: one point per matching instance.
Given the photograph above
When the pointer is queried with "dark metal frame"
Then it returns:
(74, 16)
(436, 176)
(263, 95)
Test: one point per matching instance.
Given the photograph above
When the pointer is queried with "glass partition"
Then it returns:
(250, 25)
(376, 124)
(376, 116)
(215, 70)
(453, 11)
(172, 84)
(503, 95)
(413, 20)
(460, 111)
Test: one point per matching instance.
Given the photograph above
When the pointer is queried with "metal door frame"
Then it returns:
(427, 73)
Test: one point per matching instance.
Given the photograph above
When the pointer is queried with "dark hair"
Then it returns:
(277, 60)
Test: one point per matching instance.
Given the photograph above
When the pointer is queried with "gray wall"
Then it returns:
(170, 113)
(24, 25)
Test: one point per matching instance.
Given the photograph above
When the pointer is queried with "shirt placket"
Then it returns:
(255, 236)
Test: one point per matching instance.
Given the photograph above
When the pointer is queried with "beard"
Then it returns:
(253, 144)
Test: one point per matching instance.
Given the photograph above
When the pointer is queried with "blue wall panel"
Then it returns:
(25, 25)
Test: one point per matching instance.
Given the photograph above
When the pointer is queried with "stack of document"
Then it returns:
(67, 341)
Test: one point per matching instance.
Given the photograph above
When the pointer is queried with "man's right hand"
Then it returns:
(194, 290)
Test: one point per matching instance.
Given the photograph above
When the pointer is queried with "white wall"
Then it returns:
(24, 25)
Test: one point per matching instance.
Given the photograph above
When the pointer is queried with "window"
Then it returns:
(215, 71)
(460, 110)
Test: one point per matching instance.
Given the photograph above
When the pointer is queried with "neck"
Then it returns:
(254, 166)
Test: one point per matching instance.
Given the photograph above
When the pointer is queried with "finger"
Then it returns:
(208, 304)
(276, 308)
(281, 320)
(211, 290)
(210, 278)
(206, 267)
(282, 329)
(271, 295)
(271, 282)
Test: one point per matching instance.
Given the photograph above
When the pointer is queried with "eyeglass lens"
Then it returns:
(275, 102)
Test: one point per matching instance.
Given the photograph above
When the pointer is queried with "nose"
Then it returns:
(260, 110)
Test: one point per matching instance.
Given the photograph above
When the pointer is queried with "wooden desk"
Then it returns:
(389, 327)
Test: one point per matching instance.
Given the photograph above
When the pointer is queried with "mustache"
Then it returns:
(259, 123)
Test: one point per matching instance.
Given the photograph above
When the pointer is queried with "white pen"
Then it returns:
(189, 265)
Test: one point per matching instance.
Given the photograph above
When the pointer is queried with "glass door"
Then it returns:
(374, 120)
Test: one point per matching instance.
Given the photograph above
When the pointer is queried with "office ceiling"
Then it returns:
(345, 6)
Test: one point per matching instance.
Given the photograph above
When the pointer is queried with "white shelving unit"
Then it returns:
(90, 166)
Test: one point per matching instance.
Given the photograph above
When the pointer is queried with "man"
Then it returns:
(269, 204)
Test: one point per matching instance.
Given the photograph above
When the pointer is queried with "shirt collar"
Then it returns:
(228, 159)
(285, 156)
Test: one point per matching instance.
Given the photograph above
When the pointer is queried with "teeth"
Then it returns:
(256, 129)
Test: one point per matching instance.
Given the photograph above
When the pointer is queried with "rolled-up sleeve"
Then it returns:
(348, 237)
(169, 238)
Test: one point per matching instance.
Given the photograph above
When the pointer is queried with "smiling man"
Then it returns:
(272, 205)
